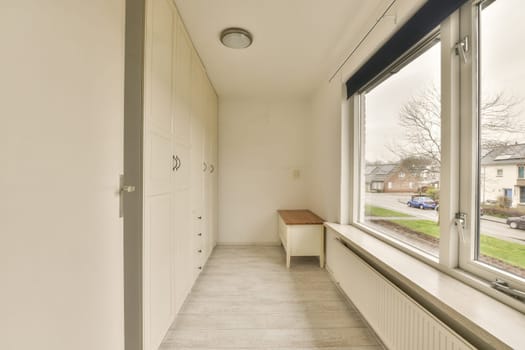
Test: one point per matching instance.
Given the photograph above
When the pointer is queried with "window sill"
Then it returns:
(479, 318)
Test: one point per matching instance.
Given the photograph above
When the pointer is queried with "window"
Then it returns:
(401, 128)
(478, 141)
(501, 130)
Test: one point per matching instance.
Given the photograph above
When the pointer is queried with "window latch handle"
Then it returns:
(503, 286)
(462, 48)
(460, 221)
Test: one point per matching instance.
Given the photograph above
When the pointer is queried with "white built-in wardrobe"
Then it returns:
(180, 169)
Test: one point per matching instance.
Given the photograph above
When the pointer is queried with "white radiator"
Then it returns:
(399, 321)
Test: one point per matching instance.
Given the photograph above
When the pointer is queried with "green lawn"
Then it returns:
(371, 210)
(509, 252)
(426, 227)
(512, 253)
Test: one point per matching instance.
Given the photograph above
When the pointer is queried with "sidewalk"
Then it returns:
(493, 218)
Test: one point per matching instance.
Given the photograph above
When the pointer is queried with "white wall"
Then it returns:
(326, 117)
(325, 149)
(261, 144)
(492, 185)
(61, 86)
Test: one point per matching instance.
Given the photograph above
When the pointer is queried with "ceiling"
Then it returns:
(296, 42)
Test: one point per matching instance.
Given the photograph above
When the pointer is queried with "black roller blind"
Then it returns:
(428, 17)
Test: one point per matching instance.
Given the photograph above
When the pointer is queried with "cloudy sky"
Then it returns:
(503, 71)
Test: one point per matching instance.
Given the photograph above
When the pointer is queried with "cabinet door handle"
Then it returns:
(173, 163)
(212, 168)
(204, 166)
(179, 163)
(199, 234)
(200, 267)
(199, 251)
(199, 217)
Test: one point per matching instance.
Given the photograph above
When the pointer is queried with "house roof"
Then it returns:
(369, 169)
(378, 172)
(385, 169)
(509, 154)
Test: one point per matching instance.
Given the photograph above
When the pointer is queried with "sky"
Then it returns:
(502, 65)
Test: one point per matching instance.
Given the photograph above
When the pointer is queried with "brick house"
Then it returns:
(395, 177)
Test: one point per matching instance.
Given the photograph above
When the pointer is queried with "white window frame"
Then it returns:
(469, 97)
(459, 125)
(356, 107)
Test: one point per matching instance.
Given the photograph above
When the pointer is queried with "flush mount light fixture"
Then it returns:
(236, 38)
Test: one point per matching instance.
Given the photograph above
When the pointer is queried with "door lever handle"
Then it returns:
(123, 189)
(127, 189)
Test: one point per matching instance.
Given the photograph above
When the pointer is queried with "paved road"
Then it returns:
(398, 202)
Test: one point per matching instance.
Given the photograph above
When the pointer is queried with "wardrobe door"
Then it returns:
(198, 164)
(214, 173)
(210, 175)
(182, 168)
(158, 162)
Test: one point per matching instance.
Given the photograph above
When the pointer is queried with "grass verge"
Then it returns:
(426, 227)
(509, 252)
(371, 210)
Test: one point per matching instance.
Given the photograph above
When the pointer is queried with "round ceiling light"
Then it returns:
(236, 38)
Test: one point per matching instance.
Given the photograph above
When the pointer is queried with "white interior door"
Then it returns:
(61, 136)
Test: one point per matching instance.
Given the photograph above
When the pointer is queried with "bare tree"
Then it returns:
(500, 121)
(420, 117)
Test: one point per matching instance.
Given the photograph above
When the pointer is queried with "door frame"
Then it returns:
(133, 170)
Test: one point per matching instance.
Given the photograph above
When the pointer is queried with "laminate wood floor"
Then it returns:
(245, 298)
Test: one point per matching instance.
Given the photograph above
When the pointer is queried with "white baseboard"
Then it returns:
(248, 244)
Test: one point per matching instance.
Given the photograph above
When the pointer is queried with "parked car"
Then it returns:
(422, 203)
(516, 222)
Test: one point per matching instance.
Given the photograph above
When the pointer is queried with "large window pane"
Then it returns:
(401, 130)
(501, 236)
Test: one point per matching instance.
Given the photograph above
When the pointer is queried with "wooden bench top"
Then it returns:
(300, 217)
